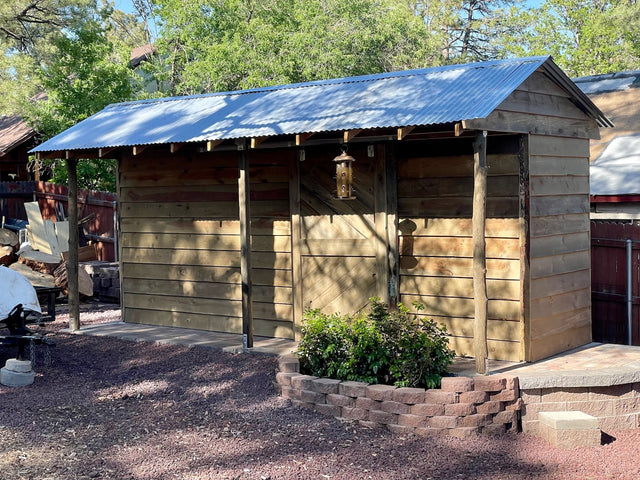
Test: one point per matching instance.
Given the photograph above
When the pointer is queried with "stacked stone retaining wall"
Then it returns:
(463, 406)
(617, 407)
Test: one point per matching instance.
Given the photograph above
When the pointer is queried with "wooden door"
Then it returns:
(338, 237)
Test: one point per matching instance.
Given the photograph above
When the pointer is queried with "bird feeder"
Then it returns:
(344, 175)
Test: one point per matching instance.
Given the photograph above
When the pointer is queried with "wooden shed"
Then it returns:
(230, 219)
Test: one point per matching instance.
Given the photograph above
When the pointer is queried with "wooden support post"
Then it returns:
(72, 263)
(245, 248)
(392, 224)
(296, 239)
(380, 224)
(525, 248)
(479, 250)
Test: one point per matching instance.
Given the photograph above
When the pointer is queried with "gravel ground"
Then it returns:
(107, 408)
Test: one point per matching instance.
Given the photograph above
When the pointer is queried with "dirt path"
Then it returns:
(108, 408)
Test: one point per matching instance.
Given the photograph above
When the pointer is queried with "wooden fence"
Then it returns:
(53, 201)
(609, 267)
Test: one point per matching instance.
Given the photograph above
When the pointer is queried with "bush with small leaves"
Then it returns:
(385, 346)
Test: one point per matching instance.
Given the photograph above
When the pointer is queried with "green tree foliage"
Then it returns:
(584, 37)
(217, 45)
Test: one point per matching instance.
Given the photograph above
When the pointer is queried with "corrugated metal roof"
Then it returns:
(409, 98)
(13, 132)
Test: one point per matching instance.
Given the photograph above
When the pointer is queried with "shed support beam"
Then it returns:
(72, 263)
(479, 250)
(350, 135)
(256, 141)
(138, 149)
(296, 240)
(404, 131)
(174, 147)
(302, 137)
(211, 144)
(245, 249)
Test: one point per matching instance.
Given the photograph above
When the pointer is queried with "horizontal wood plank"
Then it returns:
(226, 308)
(559, 264)
(185, 225)
(447, 207)
(198, 321)
(497, 186)
(457, 227)
(558, 146)
(458, 247)
(183, 273)
(545, 225)
(458, 287)
(463, 307)
(565, 282)
(559, 204)
(458, 267)
(560, 303)
(210, 210)
(558, 185)
(456, 166)
(559, 244)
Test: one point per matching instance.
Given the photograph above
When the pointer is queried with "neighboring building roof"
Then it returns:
(140, 54)
(422, 97)
(615, 168)
(13, 132)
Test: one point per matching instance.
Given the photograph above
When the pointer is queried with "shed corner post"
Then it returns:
(244, 212)
(72, 263)
(479, 251)
(296, 236)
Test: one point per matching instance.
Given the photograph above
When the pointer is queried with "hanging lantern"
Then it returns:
(344, 175)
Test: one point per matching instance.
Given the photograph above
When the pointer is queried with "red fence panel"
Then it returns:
(53, 199)
(609, 281)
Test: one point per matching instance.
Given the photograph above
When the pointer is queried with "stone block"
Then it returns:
(530, 396)
(512, 383)
(489, 384)
(625, 406)
(301, 404)
(438, 396)
(312, 397)
(504, 396)
(284, 378)
(400, 429)
(353, 389)
(489, 407)
(443, 422)
(507, 416)
(290, 393)
(579, 394)
(459, 409)
(475, 396)
(383, 418)
(354, 413)
(464, 432)
(569, 429)
(430, 432)
(326, 385)
(369, 424)
(303, 382)
(413, 420)
(329, 410)
(611, 392)
(340, 400)
(390, 406)
(380, 392)
(619, 422)
(456, 384)
(367, 403)
(517, 404)
(477, 420)
(11, 378)
(288, 363)
(600, 408)
(409, 395)
(427, 409)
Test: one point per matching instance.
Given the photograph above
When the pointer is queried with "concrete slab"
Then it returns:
(227, 342)
(568, 420)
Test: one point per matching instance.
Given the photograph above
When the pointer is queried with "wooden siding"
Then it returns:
(435, 196)
(180, 242)
(560, 281)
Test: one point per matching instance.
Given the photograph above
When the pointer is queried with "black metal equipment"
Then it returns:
(19, 335)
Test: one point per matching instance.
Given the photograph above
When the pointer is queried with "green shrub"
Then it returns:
(385, 346)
